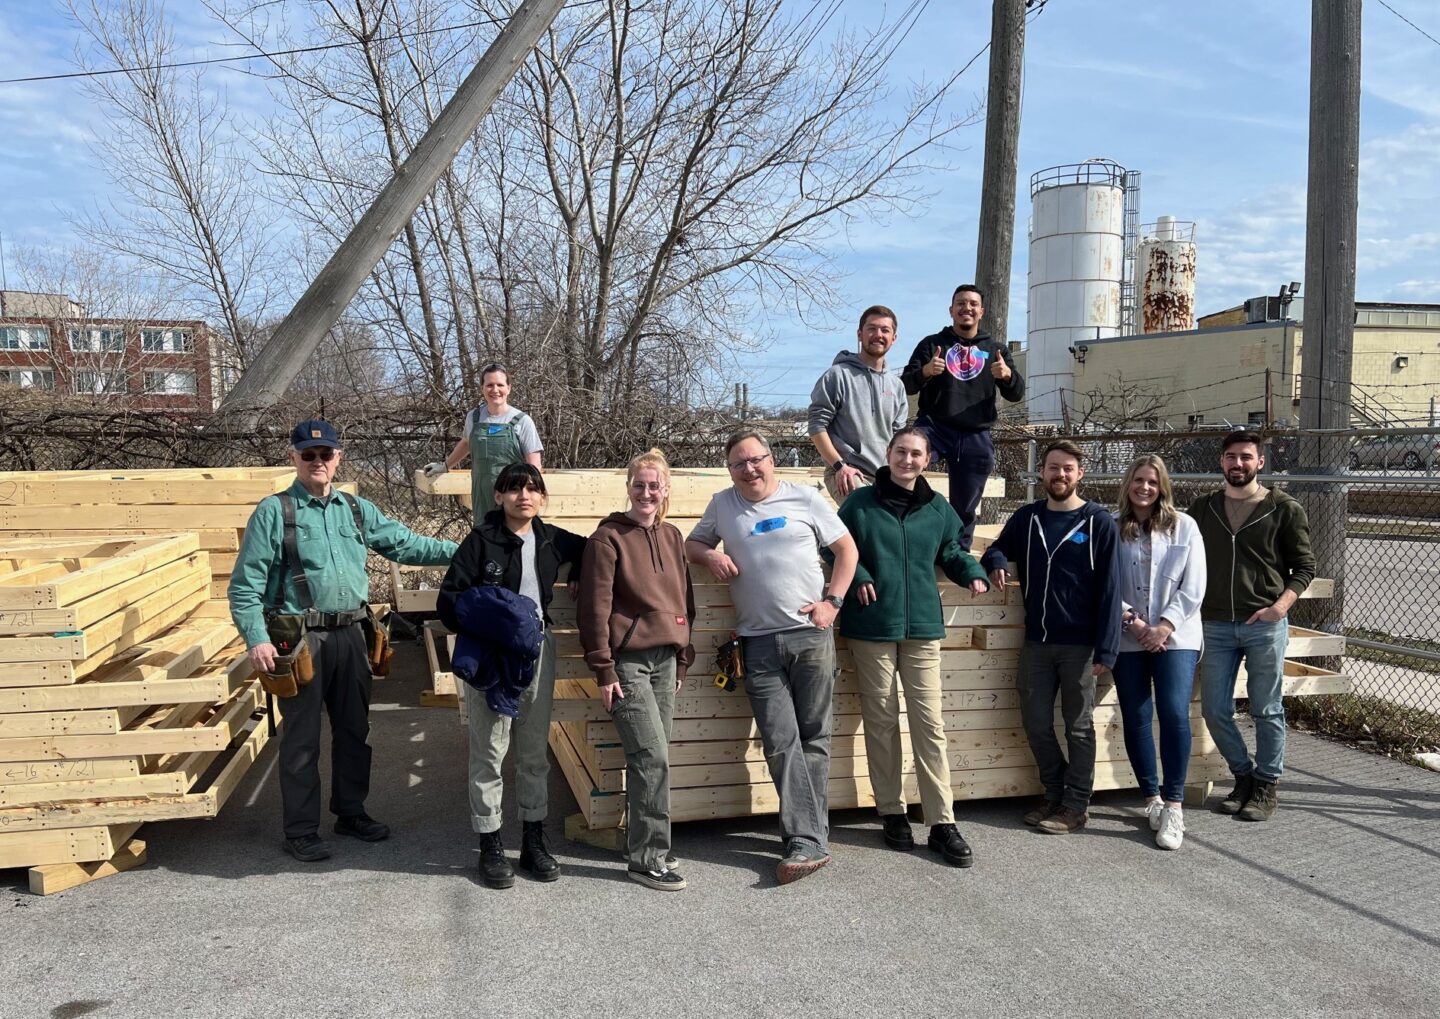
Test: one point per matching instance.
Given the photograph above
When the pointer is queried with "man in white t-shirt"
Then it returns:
(772, 532)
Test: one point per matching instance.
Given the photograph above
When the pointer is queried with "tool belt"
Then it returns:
(294, 666)
(729, 663)
(377, 641)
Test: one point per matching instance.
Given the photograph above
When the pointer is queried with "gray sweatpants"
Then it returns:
(490, 737)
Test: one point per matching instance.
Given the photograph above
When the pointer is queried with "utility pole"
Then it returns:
(295, 339)
(996, 241)
(1330, 237)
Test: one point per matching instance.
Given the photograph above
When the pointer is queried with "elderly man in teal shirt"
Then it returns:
(332, 532)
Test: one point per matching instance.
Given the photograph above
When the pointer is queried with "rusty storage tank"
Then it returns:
(1077, 267)
(1166, 267)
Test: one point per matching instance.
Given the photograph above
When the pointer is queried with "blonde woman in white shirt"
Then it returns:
(1162, 582)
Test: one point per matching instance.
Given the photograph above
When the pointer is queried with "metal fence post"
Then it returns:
(1030, 470)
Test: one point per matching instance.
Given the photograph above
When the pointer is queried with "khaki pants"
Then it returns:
(643, 719)
(865, 480)
(918, 664)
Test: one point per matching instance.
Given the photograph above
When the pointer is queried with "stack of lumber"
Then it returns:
(718, 763)
(215, 503)
(124, 694)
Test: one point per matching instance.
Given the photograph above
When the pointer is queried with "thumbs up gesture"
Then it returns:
(936, 364)
(999, 368)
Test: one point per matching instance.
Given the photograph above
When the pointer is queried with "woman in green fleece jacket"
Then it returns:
(636, 608)
(894, 623)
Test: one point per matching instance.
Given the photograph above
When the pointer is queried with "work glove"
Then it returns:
(435, 469)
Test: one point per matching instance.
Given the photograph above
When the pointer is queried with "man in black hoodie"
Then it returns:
(957, 373)
(1066, 550)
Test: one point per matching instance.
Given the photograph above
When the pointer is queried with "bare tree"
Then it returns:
(1122, 405)
(188, 211)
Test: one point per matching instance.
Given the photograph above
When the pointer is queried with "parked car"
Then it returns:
(1413, 452)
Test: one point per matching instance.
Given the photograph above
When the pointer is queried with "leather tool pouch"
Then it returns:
(294, 667)
(377, 642)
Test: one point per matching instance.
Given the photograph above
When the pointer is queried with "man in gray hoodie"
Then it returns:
(856, 406)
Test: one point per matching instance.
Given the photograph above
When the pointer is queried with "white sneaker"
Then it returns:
(1152, 811)
(1172, 828)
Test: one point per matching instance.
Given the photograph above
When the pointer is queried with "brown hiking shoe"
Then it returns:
(1262, 803)
(1063, 821)
(1040, 812)
(1239, 796)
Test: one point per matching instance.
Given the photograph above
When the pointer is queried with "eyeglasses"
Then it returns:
(641, 486)
(324, 453)
(753, 462)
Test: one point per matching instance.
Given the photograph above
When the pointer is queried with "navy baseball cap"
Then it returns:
(308, 434)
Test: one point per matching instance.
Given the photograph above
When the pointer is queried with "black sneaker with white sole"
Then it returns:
(660, 880)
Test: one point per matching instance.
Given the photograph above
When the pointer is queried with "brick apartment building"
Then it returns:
(48, 342)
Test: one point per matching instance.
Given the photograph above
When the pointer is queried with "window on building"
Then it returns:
(1151, 424)
(170, 383)
(1194, 421)
(24, 338)
(29, 378)
(166, 341)
(98, 383)
(97, 341)
(1256, 419)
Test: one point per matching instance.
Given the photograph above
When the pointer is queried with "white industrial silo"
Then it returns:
(1166, 271)
(1078, 248)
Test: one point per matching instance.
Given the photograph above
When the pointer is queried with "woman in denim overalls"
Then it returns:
(495, 435)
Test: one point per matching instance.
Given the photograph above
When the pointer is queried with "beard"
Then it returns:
(1061, 490)
(1240, 477)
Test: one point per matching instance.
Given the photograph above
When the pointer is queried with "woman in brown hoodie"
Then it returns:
(636, 609)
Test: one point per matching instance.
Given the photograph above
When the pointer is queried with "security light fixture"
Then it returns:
(1402, 362)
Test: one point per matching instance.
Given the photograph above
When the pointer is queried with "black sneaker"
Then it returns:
(308, 848)
(661, 880)
(1239, 796)
(535, 855)
(362, 827)
(897, 832)
(1262, 803)
(946, 840)
(495, 870)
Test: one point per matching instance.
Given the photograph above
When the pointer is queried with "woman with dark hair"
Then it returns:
(636, 609)
(494, 434)
(894, 624)
(511, 548)
(1162, 582)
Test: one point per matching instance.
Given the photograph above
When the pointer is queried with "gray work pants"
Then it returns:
(790, 680)
(642, 717)
(490, 738)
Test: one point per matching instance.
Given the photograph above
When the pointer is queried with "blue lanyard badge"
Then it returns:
(766, 526)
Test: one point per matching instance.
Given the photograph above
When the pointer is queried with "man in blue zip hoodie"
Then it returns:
(1065, 550)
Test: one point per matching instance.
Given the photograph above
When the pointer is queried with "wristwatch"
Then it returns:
(835, 599)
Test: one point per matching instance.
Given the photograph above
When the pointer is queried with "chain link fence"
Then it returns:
(1376, 520)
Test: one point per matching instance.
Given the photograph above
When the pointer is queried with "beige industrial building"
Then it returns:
(1215, 375)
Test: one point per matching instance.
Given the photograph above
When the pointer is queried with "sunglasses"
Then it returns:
(324, 453)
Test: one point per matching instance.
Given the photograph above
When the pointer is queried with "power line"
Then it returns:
(270, 54)
(1407, 21)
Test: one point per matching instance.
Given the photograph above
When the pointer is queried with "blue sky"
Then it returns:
(1209, 101)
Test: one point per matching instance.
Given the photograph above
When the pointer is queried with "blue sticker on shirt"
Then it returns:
(494, 429)
(766, 526)
(1078, 537)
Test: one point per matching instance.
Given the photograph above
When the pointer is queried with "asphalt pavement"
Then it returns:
(1333, 908)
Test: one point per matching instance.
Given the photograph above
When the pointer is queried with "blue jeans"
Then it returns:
(1262, 645)
(1171, 676)
(969, 458)
(790, 680)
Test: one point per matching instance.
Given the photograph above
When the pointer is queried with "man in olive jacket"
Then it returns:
(1257, 555)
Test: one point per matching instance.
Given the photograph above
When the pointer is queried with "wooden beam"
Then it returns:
(50, 878)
